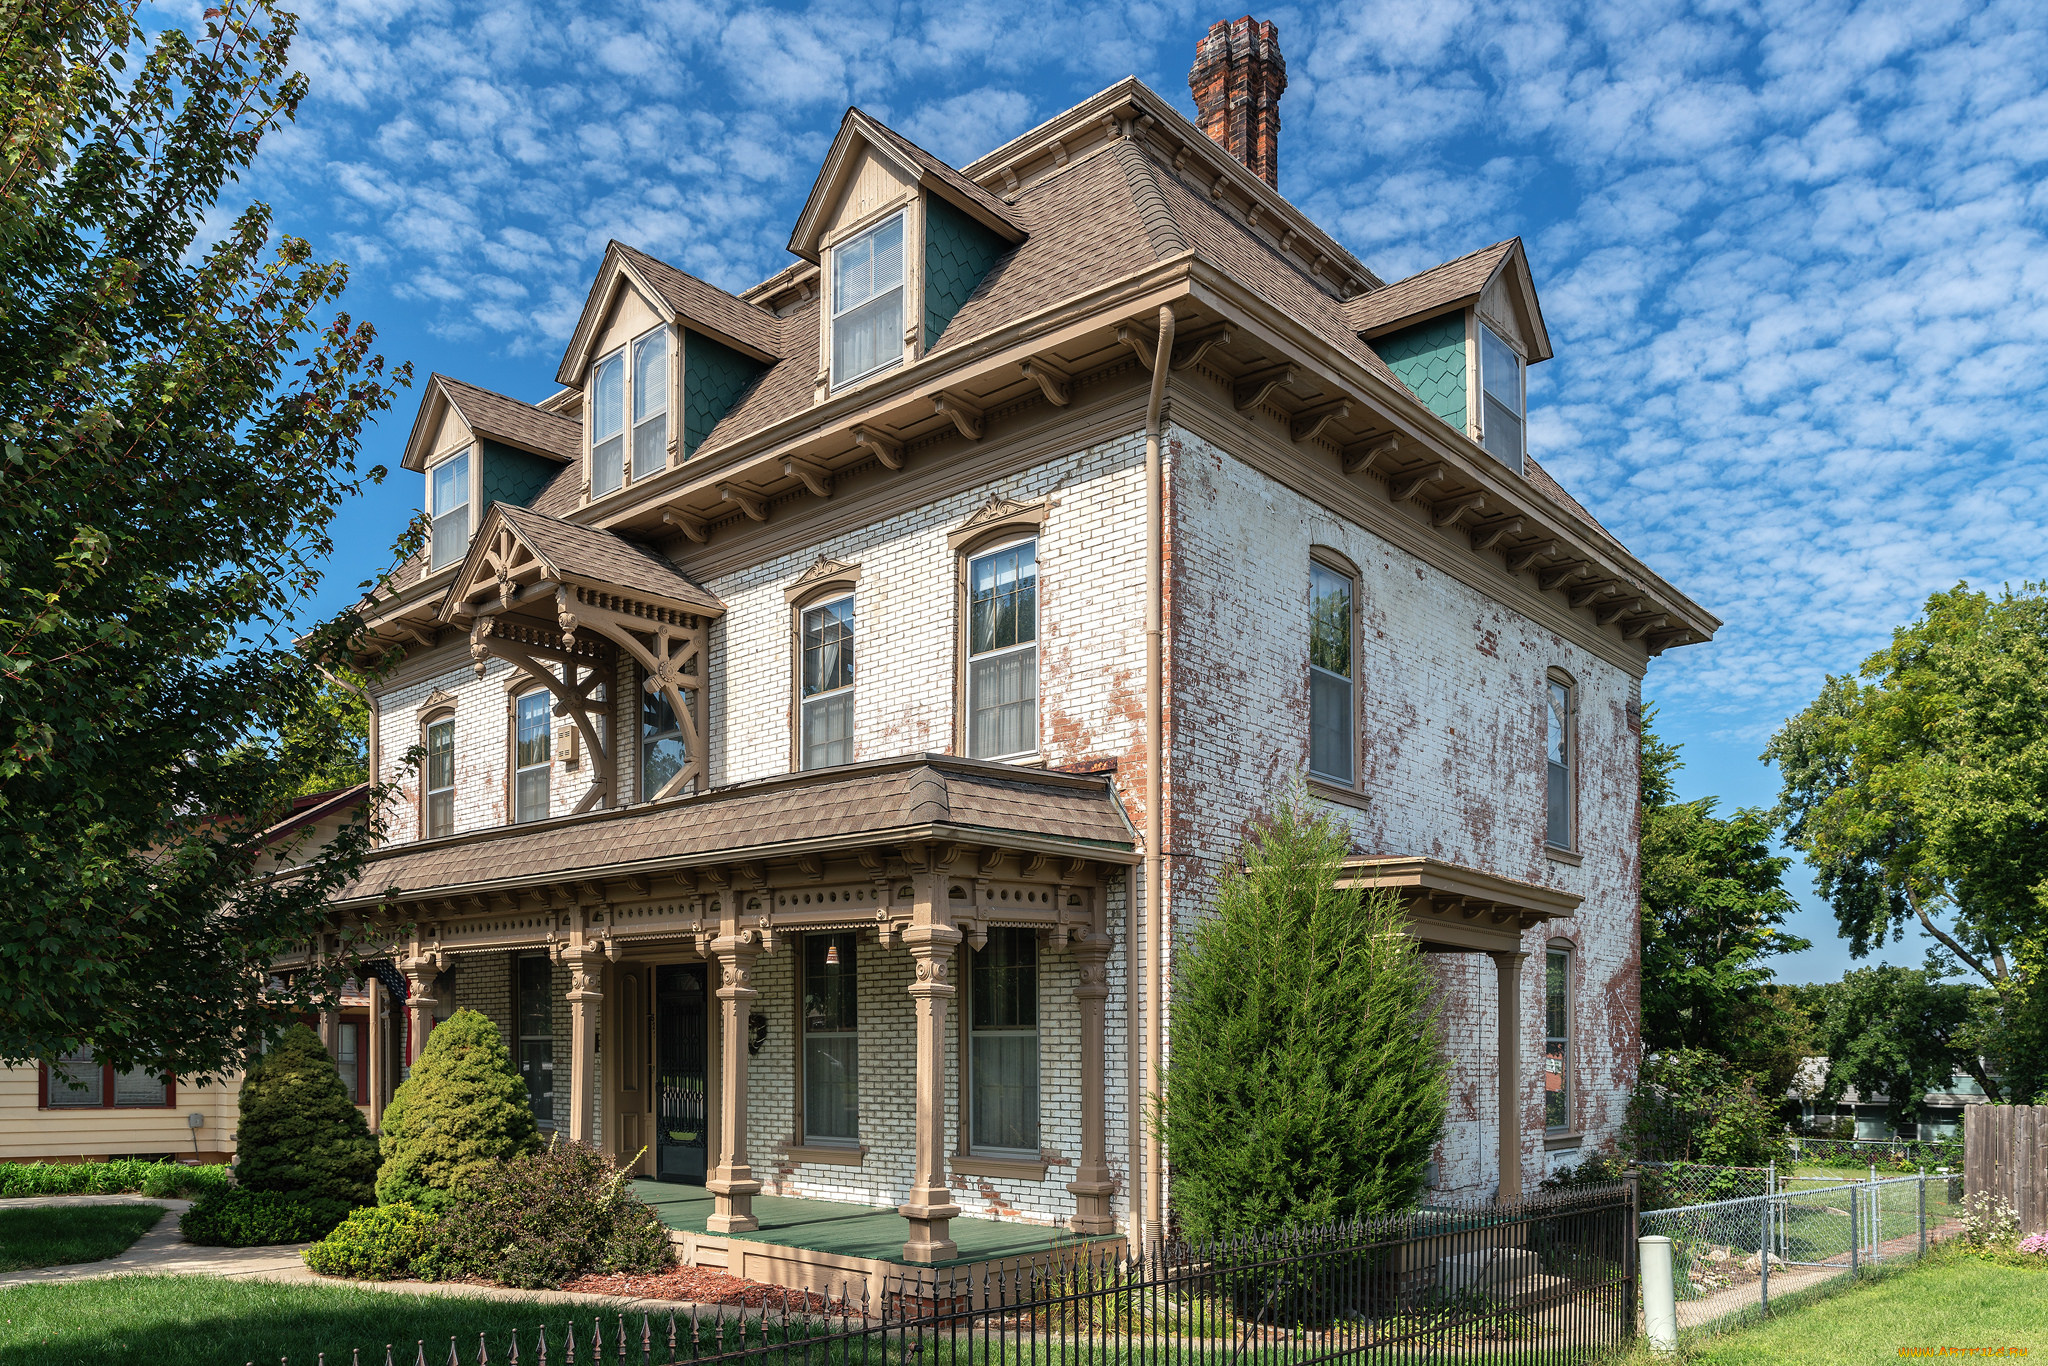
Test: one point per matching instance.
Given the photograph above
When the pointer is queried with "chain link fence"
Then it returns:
(1737, 1255)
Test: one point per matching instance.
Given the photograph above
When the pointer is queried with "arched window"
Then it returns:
(1332, 671)
(437, 809)
(1557, 1035)
(1561, 760)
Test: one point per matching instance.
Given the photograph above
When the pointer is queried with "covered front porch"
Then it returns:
(701, 953)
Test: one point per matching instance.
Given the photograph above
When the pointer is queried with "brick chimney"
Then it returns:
(1237, 79)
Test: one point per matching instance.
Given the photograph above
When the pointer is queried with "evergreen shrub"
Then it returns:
(1689, 1106)
(299, 1133)
(461, 1112)
(246, 1218)
(550, 1217)
(1308, 1082)
(376, 1244)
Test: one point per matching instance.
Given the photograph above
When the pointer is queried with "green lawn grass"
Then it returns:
(1949, 1300)
(63, 1234)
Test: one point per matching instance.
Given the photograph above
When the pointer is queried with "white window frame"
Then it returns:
(970, 656)
(626, 355)
(847, 694)
(428, 792)
(1323, 564)
(1516, 459)
(440, 556)
(834, 313)
(545, 766)
(1560, 777)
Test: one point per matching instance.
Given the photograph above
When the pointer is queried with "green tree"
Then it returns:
(1689, 1106)
(1918, 791)
(1897, 1033)
(1308, 1080)
(299, 1134)
(1713, 910)
(324, 742)
(462, 1110)
(179, 419)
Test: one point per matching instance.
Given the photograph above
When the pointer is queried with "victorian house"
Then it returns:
(835, 698)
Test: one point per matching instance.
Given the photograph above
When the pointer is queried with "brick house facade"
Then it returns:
(993, 422)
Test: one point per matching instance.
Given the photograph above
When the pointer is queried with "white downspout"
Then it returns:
(1155, 823)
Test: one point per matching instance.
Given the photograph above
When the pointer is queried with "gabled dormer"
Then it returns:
(1462, 336)
(901, 240)
(477, 448)
(659, 357)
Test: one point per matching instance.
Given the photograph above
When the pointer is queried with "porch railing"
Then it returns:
(1540, 1282)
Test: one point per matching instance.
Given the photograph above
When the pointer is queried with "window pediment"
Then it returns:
(823, 571)
(999, 514)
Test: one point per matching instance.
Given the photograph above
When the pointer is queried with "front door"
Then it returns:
(680, 1113)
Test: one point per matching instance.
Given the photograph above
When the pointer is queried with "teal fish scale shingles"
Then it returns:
(957, 252)
(513, 476)
(1430, 359)
(714, 378)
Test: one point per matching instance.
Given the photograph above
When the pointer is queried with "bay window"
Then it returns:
(449, 485)
(867, 302)
(831, 1039)
(532, 757)
(1003, 1045)
(827, 684)
(1503, 400)
(1002, 652)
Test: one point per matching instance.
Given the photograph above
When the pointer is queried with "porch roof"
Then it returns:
(1452, 907)
(917, 797)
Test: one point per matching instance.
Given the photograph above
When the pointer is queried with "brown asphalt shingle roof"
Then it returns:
(500, 418)
(595, 556)
(1438, 287)
(954, 181)
(899, 798)
(707, 304)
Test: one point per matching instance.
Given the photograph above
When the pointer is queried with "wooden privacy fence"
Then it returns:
(2005, 1156)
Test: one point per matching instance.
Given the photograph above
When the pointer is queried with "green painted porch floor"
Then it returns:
(848, 1230)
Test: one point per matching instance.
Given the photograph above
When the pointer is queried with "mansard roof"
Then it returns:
(680, 298)
(493, 416)
(858, 130)
(916, 797)
(516, 548)
(1455, 284)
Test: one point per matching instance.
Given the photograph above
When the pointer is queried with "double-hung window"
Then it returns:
(867, 302)
(827, 700)
(1003, 1044)
(663, 749)
(1560, 755)
(1331, 712)
(79, 1081)
(1557, 1076)
(1503, 397)
(449, 483)
(1002, 652)
(440, 777)
(632, 379)
(532, 757)
(831, 1030)
(535, 1004)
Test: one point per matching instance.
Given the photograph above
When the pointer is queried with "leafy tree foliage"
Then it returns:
(1897, 1033)
(462, 1111)
(1714, 906)
(1308, 1082)
(1689, 1106)
(1918, 791)
(178, 421)
(299, 1133)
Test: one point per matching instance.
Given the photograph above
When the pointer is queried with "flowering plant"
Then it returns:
(2035, 1243)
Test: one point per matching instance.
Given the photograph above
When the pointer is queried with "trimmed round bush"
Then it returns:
(548, 1218)
(462, 1112)
(299, 1133)
(379, 1244)
(245, 1218)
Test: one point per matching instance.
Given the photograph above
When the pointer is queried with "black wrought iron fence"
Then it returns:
(1541, 1282)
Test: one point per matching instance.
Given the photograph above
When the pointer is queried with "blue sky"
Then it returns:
(1791, 254)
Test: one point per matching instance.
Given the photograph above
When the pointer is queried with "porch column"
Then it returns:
(1508, 987)
(374, 1045)
(1092, 1185)
(330, 1031)
(732, 1180)
(930, 1207)
(586, 993)
(422, 980)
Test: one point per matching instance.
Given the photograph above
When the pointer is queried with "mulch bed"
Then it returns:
(704, 1286)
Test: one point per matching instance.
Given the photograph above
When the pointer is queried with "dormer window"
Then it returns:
(1504, 413)
(449, 484)
(636, 377)
(867, 302)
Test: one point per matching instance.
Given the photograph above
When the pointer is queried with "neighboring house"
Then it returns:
(76, 1108)
(783, 682)
(1941, 1112)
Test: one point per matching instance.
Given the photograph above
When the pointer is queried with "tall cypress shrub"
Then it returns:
(299, 1133)
(462, 1110)
(1308, 1082)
